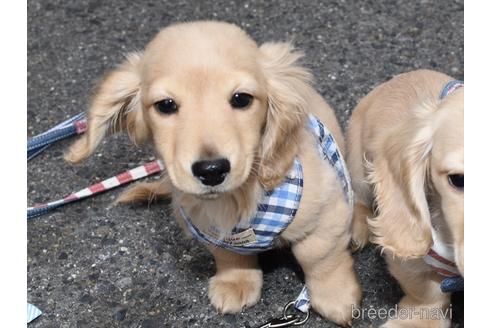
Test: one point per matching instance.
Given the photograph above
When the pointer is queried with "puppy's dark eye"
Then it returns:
(457, 181)
(241, 100)
(166, 106)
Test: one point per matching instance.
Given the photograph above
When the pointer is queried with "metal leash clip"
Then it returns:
(286, 320)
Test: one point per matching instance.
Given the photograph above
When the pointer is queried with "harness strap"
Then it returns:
(329, 150)
(302, 302)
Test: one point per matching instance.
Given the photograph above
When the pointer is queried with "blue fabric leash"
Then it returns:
(34, 212)
(72, 126)
(37, 144)
(68, 128)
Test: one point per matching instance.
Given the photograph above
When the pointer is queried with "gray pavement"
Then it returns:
(91, 264)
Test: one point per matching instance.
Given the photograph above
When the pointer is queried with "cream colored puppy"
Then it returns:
(406, 161)
(228, 118)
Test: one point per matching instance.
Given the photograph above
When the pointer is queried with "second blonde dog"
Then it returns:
(406, 161)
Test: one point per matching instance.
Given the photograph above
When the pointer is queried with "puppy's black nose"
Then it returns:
(211, 173)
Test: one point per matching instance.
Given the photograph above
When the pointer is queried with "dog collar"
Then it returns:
(277, 207)
(441, 257)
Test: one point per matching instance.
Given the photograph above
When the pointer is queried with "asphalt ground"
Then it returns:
(91, 264)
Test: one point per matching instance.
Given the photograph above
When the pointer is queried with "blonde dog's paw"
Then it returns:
(335, 300)
(336, 309)
(236, 289)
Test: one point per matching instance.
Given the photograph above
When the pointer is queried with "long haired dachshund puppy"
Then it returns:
(406, 159)
(230, 120)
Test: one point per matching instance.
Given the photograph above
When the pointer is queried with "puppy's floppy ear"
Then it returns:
(287, 89)
(115, 106)
(399, 174)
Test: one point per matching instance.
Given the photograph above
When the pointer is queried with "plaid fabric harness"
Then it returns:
(441, 255)
(277, 207)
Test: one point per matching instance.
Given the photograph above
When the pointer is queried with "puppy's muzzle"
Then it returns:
(211, 172)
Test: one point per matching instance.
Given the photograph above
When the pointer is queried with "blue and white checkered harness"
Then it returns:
(278, 207)
(274, 213)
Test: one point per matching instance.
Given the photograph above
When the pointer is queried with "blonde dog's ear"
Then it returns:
(114, 107)
(402, 225)
(287, 89)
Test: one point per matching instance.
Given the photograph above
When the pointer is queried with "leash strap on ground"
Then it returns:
(74, 125)
(137, 173)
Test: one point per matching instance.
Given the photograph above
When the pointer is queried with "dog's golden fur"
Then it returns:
(200, 65)
(403, 142)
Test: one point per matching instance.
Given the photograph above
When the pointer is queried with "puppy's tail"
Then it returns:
(145, 192)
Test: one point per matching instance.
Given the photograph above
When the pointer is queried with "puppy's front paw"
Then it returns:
(336, 306)
(235, 289)
(335, 295)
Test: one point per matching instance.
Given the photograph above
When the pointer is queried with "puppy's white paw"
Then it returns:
(235, 289)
